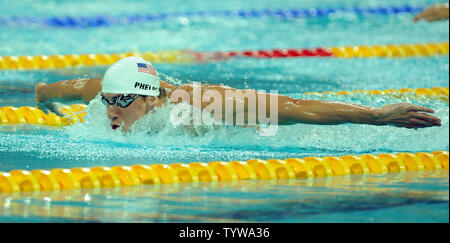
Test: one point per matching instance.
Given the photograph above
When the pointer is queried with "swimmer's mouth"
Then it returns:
(114, 127)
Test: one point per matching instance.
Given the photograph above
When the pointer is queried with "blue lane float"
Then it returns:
(104, 21)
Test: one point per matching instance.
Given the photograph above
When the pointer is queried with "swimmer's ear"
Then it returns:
(152, 101)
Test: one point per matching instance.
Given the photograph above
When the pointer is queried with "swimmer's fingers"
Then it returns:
(406, 108)
(420, 123)
(42, 107)
(425, 14)
(51, 107)
(427, 118)
(408, 115)
(419, 120)
(419, 117)
(419, 108)
(419, 16)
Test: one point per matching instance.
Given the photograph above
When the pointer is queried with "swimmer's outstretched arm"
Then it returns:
(292, 111)
(50, 97)
(332, 113)
(83, 90)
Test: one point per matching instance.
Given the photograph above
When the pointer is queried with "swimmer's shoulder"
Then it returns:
(166, 85)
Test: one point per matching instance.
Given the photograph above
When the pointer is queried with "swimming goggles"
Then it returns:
(121, 101)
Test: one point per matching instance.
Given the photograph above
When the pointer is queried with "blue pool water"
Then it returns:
(404, 197)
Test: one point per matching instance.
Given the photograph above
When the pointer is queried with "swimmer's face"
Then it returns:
(125, 117)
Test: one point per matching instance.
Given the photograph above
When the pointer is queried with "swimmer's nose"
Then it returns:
(112, 112)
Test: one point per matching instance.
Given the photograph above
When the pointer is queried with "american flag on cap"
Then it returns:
(145, 68)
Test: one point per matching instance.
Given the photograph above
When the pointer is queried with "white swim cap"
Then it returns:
(131, 75)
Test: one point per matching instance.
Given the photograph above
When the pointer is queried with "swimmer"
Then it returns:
(131, 88)
(434, 13)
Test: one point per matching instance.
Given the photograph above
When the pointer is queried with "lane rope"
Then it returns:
(75, 113)
(105, 21)
(89, 60)
(435, 91)
(255, 169)
(389, 51)
(186, 56)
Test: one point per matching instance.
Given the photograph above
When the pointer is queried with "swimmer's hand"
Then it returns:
(434, 13)
(406, 115)
(51, 107)
(44, 104)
